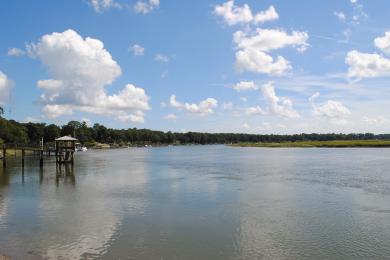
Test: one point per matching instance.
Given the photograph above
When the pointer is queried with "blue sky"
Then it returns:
(253, 66)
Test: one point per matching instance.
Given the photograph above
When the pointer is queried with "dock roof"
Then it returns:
(66, 138)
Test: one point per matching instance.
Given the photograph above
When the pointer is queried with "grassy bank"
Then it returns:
(329, 144)
(13, 152)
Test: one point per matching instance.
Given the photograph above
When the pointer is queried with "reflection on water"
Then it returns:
(209, 202)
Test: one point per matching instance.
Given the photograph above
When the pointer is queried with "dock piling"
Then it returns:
(41, 158)
(23, 154)
(4, 157)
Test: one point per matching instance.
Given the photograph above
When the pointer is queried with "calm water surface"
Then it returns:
(200, 202)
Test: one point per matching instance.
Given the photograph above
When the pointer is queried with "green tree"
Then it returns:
(51, 132)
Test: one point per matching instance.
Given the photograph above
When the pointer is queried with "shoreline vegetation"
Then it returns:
(17, 134)
(319, 144)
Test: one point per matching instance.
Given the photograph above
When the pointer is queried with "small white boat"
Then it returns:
(80, 148)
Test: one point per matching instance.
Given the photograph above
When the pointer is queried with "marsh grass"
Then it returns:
(328, 144)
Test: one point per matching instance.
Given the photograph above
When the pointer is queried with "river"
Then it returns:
(199, 202)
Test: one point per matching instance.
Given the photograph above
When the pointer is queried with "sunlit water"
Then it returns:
(199, 202)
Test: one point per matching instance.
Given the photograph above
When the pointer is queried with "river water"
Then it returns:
(199, 202)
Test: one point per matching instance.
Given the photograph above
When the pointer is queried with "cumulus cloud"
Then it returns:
(5, 88)
(204, 107)
(245, 85)
(335, 111)
(266, 40)
(161, 58)
(370, 65)
(174, 103)
(253, 49)
(16, 52)
(145, 7)
(137, 50)
(367, 65)
(383, 43)
(100, 5)
(278, 106)
(81, 69)
(233, 14)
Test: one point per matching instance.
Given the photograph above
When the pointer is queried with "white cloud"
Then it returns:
(383, 43)
(266, 40)
(100, 5)
(245, 85)
(137, 50)
(253, 49)
(170, 117)
(375, 120)
(233, 14)
(278, 106)
(145, 7)
(50, 84)
(52, 111)
(161, 58)
(370, 65)
(204, 107)
(5, 88)
(355, 17)
(261, 62)
(265, 16)
(367, 65)
(174, 103)
(332, 110)
(340, 16)
(255, 111)
(81, 70)
(16, 52)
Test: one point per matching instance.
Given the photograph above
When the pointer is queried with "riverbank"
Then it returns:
(326, 144)
(14, 152)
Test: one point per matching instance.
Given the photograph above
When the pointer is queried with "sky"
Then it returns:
(250, 66)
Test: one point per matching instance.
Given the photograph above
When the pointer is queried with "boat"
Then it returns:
(80, 148)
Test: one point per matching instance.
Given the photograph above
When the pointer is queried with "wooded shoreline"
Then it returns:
(99, 136)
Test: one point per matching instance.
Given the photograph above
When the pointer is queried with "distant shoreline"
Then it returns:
(320, 144)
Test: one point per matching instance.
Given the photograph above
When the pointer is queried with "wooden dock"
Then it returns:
(64, 148)
(37, 152)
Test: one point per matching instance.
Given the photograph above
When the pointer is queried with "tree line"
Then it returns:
(13, 132)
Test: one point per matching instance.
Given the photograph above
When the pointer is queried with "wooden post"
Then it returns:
(4, 157)
(23, 153)
(41, 158)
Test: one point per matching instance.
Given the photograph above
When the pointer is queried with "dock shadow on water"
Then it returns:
(203, 202)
